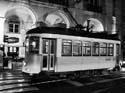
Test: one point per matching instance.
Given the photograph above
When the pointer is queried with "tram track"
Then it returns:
(94, 79)
(112, 84)
(45, 82)
(107, 82)
(94, 85)
(108, 89)
(22, 84)
(89, 81)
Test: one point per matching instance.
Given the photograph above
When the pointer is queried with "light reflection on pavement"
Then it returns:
(3, 82)
(14, 81)
(19, 90)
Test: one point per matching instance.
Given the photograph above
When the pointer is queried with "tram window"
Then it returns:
(77, 48)
(44, 61)
(117, 49)
(34, 45)
(103, 49)
(52, 46)
(66, 47)
(86, 49)
(110, 49)
(95, 49)
(52, 61)
(45, 46)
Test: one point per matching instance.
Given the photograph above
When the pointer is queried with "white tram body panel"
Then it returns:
(77, 63)
(88, 63)
(34, 62)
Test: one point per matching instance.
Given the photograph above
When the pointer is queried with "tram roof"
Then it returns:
(72, 32)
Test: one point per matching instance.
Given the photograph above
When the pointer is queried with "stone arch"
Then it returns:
(26, 15)
(27, 18)
(94, 25)
(58, 17)
(13, 23)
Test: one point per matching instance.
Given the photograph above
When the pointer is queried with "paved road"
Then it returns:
(15, 81)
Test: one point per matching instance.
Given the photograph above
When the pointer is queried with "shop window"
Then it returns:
(13, 51)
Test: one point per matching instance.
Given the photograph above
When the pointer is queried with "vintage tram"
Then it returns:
(58, 50)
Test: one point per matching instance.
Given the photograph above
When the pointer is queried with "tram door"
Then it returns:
(48, 49)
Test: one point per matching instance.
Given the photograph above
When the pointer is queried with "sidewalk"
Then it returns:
(12, 67)
(5, 70)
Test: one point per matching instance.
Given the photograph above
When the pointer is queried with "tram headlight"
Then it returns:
(24, 63)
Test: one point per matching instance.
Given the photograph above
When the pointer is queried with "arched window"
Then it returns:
(57, 19)
(13, 24)
(93, 25)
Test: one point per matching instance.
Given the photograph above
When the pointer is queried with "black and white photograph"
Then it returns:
(62, 46)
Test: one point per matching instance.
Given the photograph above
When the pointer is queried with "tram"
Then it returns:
(58, 50)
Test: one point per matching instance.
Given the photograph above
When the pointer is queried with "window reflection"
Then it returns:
(95, 49)
(34, 45)
(67, 47)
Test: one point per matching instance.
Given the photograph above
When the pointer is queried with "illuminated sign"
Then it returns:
(13, 40)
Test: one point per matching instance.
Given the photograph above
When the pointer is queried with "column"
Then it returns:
(114, 25)
(2, 20)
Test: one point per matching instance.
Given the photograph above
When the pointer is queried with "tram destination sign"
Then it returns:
(12, 40)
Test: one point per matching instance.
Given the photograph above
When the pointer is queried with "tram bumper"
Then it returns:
(30, 69)
(32, 64)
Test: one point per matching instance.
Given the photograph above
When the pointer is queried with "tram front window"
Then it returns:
(34, 45)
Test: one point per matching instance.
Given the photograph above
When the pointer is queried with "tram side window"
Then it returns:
(110, 49)
(95, 49)
(86, 48)
(117, 49)
(66, 47)
(77, 48)
(34, 45)
(103, 49)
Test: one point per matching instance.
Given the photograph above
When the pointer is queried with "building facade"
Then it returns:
(123, 27)
(18, 16)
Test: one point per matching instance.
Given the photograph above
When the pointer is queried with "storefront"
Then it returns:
(16, 18)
